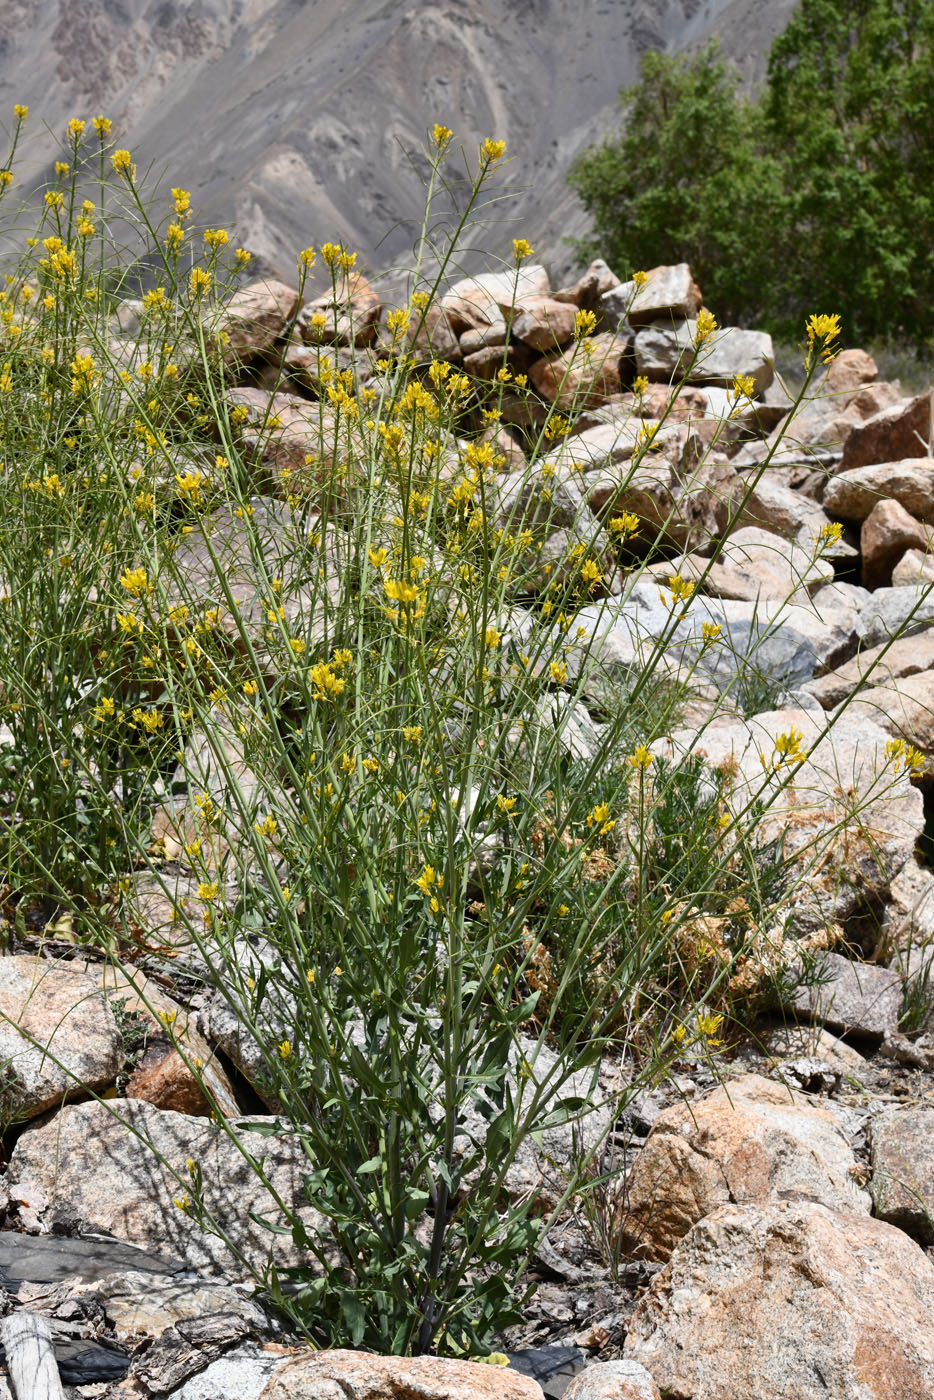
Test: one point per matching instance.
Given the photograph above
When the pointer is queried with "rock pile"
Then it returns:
(784, 1249)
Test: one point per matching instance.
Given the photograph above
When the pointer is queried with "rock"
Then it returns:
(256, 317)
(585, 375)
(887, 532)
(664, 351)
(905, 708)
(473, 341)
(613, 1380)
(590, 286)
(122, 1173)
(902, 1186)
(242, 1373)
(479, 301)
(848, 372)
(58, 1036)
(853, 494)
(751, 1140)
(875, 667)
(856, 998)
(789, 1299)
(823, 422)
(909, 918)
(754, 563)
(791, 1041)
(913, 570)
(544, 324)
(434, 335)
(894, 612)
(775, 506)
(901, 430)
(487, 363)
(167, 1079)
(346, 315)
(847, 832)
(607, 444)
(357, 1375)
(668, 294)
(312, 367)
(295, 447)
(141, 1305)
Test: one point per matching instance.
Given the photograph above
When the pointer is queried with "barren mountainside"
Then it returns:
(297, 121)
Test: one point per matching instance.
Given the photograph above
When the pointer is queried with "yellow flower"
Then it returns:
(122, 163)
(327, 686)
(788, 746)
(250, 688)
(267, 827)
(62, 167)
(681, 588)
(216, 238)
(102, 125)
(306, 258)
(822, 332)
(20, 112)
(412, 733)
(6, 177)
(54, 199)
(199, 282)
(506, 804)
(640, 278)
(492, 638)
(705, 326)
(600, 817)
(585, 323)
(641, 758)
(285, 1049)
(640, 384)
(904, 755)
(208, 890)
(243, 257)
(492, 151)
(400, 591)
(624, 525)
(559, 672)
(174, 235)
(135, 581)
(744, 386)
(441, 135)
(378, 557)
(521, 248)
(590, 572)
(76, 127)
(710, 631)
(182, 200)
(708, 1024)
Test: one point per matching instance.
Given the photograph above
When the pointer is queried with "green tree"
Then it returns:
(817, 194)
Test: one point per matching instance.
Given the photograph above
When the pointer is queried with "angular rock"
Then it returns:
(775, 506)
(668, 294)
(434, 336)
(585, 375)
(894, 612)
(904, 429)
(875, 667)
(613, 1380)
(790, 1041)
(855, 998)
(58, 1035)
(914, 569)
(904, 708)
(487, 362)
(888, 531)
(823, 421)
(902, 1185)
(347, 314)
(665, 351)
(479, 301)
(242, 1373)
(357, 1375)
(854, 493)
(544, 324)
(610, 443)
(140, 1305)
(474, 340)
(789, 1300)
(751, 1140)
(295, 447)
(754, 563)
(590, 286)
(256, 317)
(99, 1164)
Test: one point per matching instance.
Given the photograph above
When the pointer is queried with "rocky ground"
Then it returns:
(766, 1219)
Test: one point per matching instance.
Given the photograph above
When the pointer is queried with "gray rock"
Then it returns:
(662, 351)
(856, 997)
(243, 1373)
(58, 1035)
(902, 1183)
(122, 1170)
(669, 293)
(851, 495)
(894, 612)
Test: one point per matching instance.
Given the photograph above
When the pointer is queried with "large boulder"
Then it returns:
(357, 1375)
(255, 317)
(875, 667)
(789, 1299)
(663, 351)
(613, 1380)
(750, 1140)
(754, 563)
(904, 708)
(858, 998)
(852, 494)
(346, 314)
(479, 301)
(584, 375)
(901, 430)
(894, 612)
(544, 324)
(888, 532)
(121, 1168)
(58, 1035)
